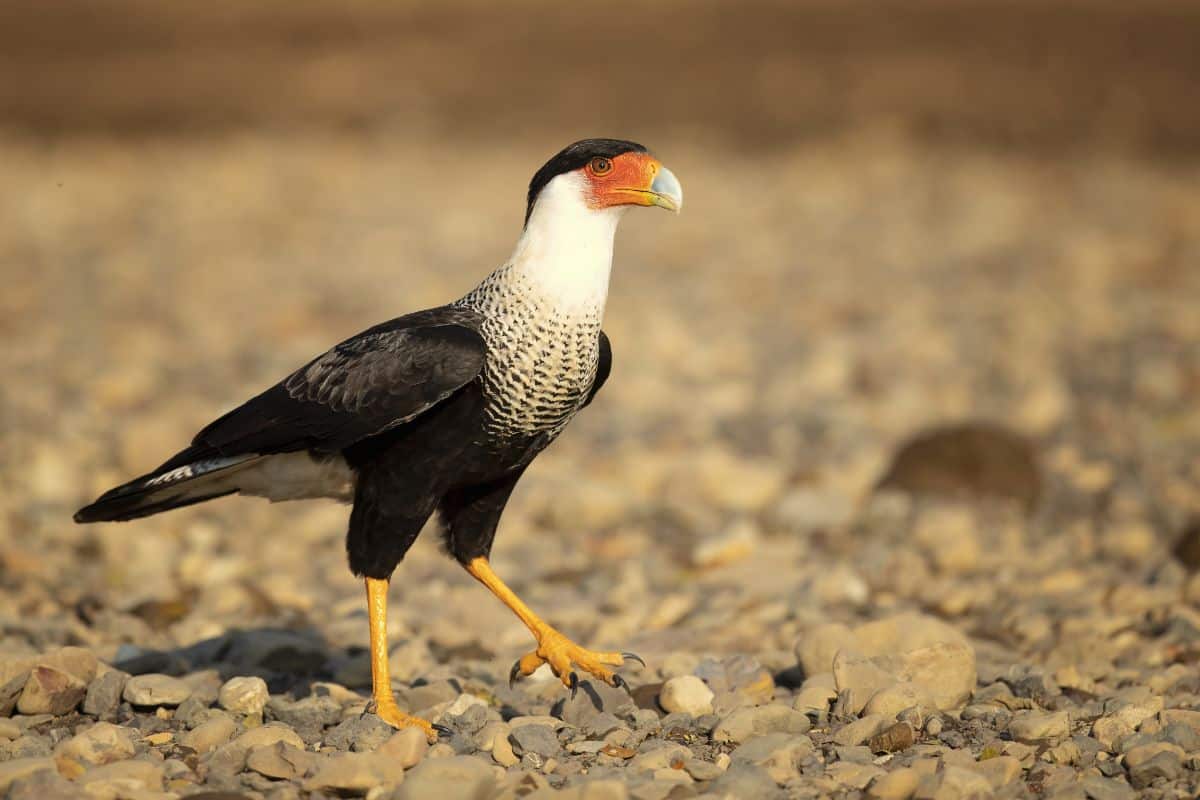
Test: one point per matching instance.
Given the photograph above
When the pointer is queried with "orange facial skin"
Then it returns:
(626, 182)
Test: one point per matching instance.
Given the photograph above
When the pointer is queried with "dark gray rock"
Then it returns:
(104, 694)
(745, 780)
(599, 725)
(539, 739)
(276, 650)
(1176, 733)
(360, 734)
(593, 697)
(308, 716)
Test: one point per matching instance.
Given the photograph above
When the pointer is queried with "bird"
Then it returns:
(439, 411)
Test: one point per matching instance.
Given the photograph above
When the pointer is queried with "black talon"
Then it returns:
(513, 673)
(621, 683)
(634, 657)
(442, 730)
(574, 680)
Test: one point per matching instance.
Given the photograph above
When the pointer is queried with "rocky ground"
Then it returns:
(894, 486)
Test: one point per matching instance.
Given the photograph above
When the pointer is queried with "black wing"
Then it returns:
(381, 378)
(603, 367)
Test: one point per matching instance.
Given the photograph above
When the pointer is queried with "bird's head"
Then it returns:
(605, 174)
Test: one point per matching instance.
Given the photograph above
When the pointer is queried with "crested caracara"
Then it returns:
(439, 410)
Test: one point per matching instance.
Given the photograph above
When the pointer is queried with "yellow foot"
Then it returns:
(564, 656)
(392, 715)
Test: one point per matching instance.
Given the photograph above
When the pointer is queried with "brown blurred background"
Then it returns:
(1023, 73)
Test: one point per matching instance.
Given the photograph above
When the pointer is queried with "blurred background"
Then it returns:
(900, 217)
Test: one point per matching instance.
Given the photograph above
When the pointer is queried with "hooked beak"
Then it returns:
(665, 191)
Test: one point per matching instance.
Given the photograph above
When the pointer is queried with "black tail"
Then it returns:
(179, 482)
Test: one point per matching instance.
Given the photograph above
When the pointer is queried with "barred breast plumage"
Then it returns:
(541, 359)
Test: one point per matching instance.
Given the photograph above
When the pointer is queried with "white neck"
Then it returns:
(566, 249)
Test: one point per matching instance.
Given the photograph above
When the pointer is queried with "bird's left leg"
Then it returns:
(381, 683)
(553, 648)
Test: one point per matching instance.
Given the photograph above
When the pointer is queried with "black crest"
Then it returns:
(574, 156)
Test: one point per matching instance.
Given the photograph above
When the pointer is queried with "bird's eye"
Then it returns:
(601, 166)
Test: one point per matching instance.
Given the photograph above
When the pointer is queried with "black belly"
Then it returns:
(445, 458)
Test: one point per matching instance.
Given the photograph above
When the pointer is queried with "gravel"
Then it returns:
(770, 506)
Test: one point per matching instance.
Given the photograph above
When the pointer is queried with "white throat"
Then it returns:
(566, 249)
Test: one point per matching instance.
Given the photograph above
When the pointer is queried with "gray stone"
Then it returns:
(104, 694)
(1152, 762)
(452, 778)
(592, 699)
(600, 725)
(13, 677)
(745, 780)
(746, 722)
(50, 690)
(232, 756)
(102, 743)
(1181, 736)
(361, 734)
(539, 739)
(276, 650)
(243, 695)
(309, 715)
(779, 753)
(42, 785)
(155, 690)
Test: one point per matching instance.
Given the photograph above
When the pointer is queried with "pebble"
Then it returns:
(281, 761)
(999, 770)
(362, 734)
(353, 773)
(745, 780)
(779, 753)
(860, 730)
(892, 739)
(1163, 765)
(19, 768)
(852, 775)
(962, 782)
(891, 700)
(104, 693)
(155, 690)
(686, 694)
(539, 739)
(746, 722)
(451, 778)
(406, 747)
(898, 784)
(244, 695)
(102, 743)
(1035, 727)
(210, 734)
(50, 690)
(120, 777)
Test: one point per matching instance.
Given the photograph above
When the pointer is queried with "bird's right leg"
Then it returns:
(381, 682)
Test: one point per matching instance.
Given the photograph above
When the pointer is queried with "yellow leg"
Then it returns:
(381, 683)
(553, 648)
